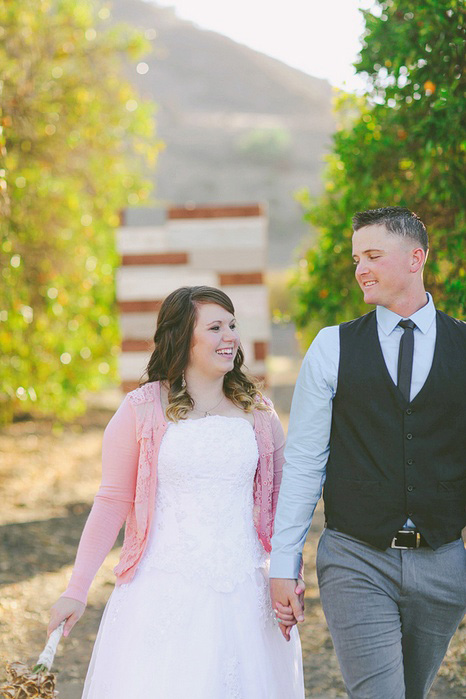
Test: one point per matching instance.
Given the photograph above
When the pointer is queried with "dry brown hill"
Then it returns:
(238, 125)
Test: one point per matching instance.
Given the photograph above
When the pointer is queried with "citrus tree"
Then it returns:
(400, 144)
(75, 139)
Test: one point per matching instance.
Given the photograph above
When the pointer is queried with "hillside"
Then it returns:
(239, 126)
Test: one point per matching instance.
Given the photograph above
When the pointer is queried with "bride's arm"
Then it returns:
(120, 452)
(278, 457)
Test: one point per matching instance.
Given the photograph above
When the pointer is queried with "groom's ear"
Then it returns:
(418, 259)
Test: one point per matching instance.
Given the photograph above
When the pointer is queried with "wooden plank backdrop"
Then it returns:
(221, 246)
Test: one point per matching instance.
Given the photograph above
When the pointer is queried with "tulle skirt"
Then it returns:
(166, 636)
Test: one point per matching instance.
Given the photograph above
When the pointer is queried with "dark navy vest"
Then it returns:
(391, 459)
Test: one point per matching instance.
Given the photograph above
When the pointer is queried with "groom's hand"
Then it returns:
(284, 592)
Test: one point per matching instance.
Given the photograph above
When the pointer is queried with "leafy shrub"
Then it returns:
(75, 137)
(402, 145)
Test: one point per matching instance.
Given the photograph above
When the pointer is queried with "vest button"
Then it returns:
(409, 435)
(409, 411)
(410, 462)
(410, 488)
(410, 514)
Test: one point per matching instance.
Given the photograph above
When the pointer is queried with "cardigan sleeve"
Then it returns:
(278, 457)
(112, 503)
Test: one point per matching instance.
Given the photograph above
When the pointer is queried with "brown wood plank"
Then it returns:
(201, 211)
(128, 386)
(167, 258)
(138, 306)
(241, 278)
(260, 350)
(130, 345)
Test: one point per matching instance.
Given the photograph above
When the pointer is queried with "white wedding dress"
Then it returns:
(196, 622)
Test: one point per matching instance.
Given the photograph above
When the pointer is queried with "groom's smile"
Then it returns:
(383, 265)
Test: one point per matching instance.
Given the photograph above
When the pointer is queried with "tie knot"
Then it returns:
(407, 324)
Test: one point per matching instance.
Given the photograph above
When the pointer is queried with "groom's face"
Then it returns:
(383, 265)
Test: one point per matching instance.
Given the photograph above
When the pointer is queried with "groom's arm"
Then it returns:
(306, 452)
(306, 455)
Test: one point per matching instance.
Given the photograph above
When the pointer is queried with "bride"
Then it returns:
(192, 461)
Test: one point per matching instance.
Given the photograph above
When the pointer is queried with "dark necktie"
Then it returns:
(405, 357)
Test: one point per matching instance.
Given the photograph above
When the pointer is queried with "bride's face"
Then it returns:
(215, 340)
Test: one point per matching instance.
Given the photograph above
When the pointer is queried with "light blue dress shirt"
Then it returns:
(307, 445)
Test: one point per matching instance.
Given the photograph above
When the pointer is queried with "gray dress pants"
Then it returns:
(391, 613)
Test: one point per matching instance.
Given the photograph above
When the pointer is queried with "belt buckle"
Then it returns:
(404, 533)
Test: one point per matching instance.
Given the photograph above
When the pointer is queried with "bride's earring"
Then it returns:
(183, 381)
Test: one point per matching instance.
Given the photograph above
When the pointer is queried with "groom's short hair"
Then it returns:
(397, 220)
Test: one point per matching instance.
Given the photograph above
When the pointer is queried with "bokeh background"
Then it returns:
(111, 114)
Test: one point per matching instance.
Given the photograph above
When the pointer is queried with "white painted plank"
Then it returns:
(132, 365)
(138, 326)
(249, 300)
(141, 239)
(190, 235)
(256, 368)
(255, 328)
(253, 224)
(210, 233)
(144, 282)
(229, 260)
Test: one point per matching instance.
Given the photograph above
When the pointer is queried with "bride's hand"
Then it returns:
(284, 614)
(65, 608)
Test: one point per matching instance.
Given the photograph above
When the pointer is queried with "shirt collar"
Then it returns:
(424, 317)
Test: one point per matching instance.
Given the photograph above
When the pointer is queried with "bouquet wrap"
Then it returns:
(38, 683)
(46, 657)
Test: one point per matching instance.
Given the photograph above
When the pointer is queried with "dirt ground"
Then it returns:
(48, 476)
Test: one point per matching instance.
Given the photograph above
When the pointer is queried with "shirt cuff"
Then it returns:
(284, 565)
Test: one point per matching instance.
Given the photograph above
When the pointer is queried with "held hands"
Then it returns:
(287, 597)
(65, 608)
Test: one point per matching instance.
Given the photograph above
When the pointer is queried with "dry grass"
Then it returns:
(48, 477)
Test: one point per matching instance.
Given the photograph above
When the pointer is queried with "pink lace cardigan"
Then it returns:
(129, 478)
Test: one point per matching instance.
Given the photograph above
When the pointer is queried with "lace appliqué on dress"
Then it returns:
(232, 679)
(264, 603)
(203, 524)
(118, 600)
(264, 480)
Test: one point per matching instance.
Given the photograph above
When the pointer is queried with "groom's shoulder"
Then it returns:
(361, 320)
(328, 338)
(454, 323)
(356, 323)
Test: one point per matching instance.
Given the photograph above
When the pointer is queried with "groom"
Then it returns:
(378, 415)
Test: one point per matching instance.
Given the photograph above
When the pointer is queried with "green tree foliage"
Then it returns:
(75, 140)
(402, 145)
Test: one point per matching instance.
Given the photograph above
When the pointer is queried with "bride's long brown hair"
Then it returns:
(175, 325)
